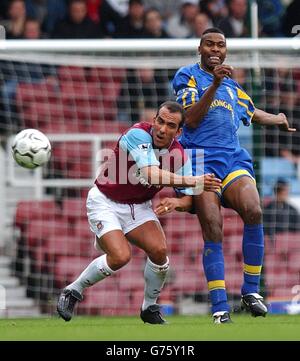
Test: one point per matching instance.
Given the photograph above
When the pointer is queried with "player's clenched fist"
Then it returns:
(220, 71)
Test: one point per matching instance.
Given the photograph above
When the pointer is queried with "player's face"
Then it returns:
(212, 50)
(165, 128)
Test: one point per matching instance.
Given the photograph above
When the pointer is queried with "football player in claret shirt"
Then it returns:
(215, 105)
(147, 157)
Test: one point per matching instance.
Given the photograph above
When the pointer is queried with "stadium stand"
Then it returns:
(52, 236)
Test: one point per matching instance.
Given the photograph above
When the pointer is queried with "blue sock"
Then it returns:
(213, 264)
(253, 252)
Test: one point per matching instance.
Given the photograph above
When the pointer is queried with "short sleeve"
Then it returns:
(185, 88)
(139, 145)
(245, 106)
(185, 170)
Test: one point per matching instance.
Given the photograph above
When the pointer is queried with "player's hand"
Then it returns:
(211, 183)
(284, 124)
(207, 182)
(220, 72)
(167, 205)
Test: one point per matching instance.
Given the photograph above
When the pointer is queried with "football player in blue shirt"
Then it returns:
(214, 106)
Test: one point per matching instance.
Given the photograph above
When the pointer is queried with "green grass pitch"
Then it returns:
(180, 328)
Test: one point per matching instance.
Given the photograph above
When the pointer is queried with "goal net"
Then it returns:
(82, 95)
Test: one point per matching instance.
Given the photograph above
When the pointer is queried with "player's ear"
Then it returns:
(179, 131)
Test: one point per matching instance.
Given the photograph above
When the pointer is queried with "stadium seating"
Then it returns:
(294, 262)
(66, 246)
(74, 208)
(288, 279)
(132, 275)
(287, 242)
(108, 303)
(69, 167)
(276, 263)
(75, 101)
(189, 282)
(232, 223)
(27, 211)
(39, 230)
(68, 268)
(61, 245)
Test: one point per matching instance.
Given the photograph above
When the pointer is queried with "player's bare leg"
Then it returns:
(243, 197)
(150, 237)
(117, 254)
(208, 209)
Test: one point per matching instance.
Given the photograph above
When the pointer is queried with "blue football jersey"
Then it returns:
(230, 106)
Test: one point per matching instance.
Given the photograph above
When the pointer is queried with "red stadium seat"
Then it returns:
(71, 73)
(73, 159)
(74, 208)
(102, 126)
(136, 299)
(284, 279)
(106, 75)
(232, 223)
(79, 170)
(132, 275)
(68, 268)
(294, 261)
(67, 246)
(42, 92)
(35, 210)
(40, 230)
(105, 299)
(233, 281)
(281, 293)
(276, 263)
(106, 303)
(67, 150)
(188, 281)
(82, 229)
(185, 275)
(37, 103)
(287, 242)
(233, 244)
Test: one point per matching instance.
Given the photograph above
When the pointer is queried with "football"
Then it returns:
(31, 148)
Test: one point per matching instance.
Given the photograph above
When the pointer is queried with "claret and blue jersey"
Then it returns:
(217, 131)
(120, 177)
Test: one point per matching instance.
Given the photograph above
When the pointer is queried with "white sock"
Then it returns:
(155, 276)
(96, 271)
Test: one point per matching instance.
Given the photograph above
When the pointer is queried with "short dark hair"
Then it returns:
(139, 2)
(280, 185)
(173, 107)
(212, 30)
(71, 2)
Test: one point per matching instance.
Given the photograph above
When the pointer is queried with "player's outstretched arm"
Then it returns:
(185, 203)
(195, 113)
(156, 176)
(263, 118)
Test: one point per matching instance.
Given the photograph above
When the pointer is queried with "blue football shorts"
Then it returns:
(227, 164)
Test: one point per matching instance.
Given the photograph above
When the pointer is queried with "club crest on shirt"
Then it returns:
(144, 147)
(230, 92)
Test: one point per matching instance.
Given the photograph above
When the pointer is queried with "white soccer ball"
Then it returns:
(31, 148)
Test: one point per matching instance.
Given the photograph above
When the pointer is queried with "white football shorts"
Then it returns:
(105, 215)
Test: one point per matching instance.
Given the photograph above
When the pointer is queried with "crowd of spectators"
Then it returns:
(96, 19)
